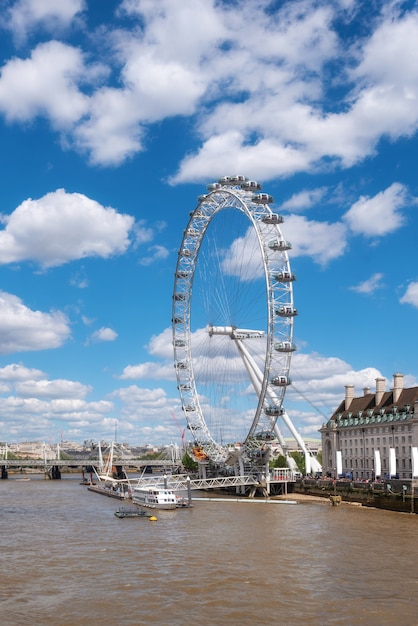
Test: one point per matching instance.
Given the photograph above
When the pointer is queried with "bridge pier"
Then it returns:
(54, 473)
(4, 473)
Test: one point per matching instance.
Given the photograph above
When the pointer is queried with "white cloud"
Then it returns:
(411, 295)
(155, 253)
(149, 370)
(18, 372)
(51, 389)
(61, 227)
(25, 15)
(259, 93)
(370, 285)
(46, 84)
(104, 334)
(161, 345)
(22, 329)
(111, 133)
(320, 240)
(380, 215)
(288, 111)
(303, 199)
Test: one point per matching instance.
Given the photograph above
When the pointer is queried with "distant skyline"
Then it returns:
(114, 117)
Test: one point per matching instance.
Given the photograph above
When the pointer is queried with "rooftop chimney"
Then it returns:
(397, 386)
(349, 395)
(366, 391)
(380, 389)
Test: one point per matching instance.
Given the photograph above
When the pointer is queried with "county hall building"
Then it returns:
(374, 435)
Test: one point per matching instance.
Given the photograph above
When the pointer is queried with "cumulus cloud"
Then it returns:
(18, 372)
(52, 389)
(22, 329)
(259, 108)
(104, 334)
(155, 253)
(46, 84)
(303, 200)
(320, 240)
(61, 227)
(411, 295)
(26, 15)
(148, 370)
(380, 215)
(370, 285)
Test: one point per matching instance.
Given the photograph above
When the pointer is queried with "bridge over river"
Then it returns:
(86, 462)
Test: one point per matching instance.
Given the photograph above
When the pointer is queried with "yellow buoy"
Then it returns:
(152, 518)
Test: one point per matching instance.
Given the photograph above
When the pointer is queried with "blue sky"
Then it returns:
(113, 118)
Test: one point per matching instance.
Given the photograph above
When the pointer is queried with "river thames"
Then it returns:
(68, 560)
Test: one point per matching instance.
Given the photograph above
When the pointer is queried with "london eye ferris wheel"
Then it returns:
(232, 319)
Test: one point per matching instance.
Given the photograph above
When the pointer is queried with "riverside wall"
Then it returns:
(393, 495)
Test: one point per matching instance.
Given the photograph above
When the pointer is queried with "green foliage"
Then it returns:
(188, 463)
(299, 458)
(300, 461)
(279, 462)
(152, 456)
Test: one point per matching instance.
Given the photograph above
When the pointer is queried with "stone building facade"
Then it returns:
(374, 435)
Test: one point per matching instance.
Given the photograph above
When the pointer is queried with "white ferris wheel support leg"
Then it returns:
(256, 378)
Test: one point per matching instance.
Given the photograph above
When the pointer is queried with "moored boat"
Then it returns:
(131, 512)
(110, 490)
(154, 498)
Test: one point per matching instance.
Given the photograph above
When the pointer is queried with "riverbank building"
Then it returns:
(374, 435)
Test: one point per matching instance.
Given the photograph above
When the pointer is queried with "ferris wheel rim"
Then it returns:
(229, 195)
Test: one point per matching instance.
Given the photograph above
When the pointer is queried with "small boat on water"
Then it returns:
(154, 498)
(131, 512)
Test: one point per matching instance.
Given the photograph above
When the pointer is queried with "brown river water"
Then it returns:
(68, 561)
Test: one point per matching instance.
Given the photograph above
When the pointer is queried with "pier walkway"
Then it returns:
(184, 482)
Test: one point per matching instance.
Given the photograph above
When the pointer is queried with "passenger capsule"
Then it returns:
(280, 245)
(284, 277)
(237, 179)
(189, 407)
(186, 252)
(280, 381)
(202, 197)
(272, 411)
(224, 180)
(251, 185)
(286, 311)
(213, 186)
(285, 346)
(182, 274)
(178, 320)
(262, 198)
(273, 218)
(181, 365)
(179, 343)
(192, 232)
(179, 297)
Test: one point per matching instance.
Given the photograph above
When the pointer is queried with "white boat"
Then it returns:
(154, 497)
